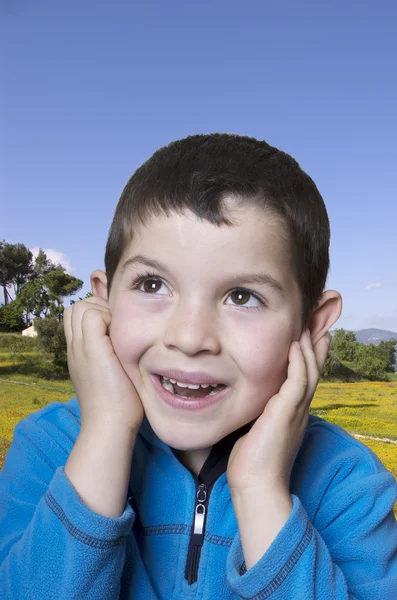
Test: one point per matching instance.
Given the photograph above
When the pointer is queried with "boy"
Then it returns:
(192, 402)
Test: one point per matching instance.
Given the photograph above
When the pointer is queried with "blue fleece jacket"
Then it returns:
(178, 536)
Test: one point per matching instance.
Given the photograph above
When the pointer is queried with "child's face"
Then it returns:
(194, 322)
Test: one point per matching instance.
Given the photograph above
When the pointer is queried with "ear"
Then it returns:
(99, 284)
(326, 314)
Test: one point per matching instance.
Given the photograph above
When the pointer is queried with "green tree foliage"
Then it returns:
(332, 364)
(12, 315)
(34, 298)
(40, 286)
(43, 265)
(387, 351)
(366, 361)
(369, 364)
(16, 267)
(59, 285)
(345, 345)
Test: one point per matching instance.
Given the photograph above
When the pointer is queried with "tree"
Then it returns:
(387, 351)
(368, 363)
(59, 285)
(11, 314)
(34, 299)
(43, 265)
(345, 345)
(332, 364)
(39, 287)
(16, 267)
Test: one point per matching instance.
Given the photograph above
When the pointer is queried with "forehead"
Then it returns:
(251, 230)
(256, 242)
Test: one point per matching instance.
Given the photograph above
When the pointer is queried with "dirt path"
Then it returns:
(33, 385)
(18, 382)
(370, 437)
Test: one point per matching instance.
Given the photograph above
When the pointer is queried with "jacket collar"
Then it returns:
(218, 457)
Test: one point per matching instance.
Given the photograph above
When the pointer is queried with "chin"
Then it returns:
(184, 440)
(185, 436)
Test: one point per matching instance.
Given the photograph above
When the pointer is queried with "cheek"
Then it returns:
(130, 333)
(263, 356)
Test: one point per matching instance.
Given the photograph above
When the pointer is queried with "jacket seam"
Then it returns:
(167, 529)
(178, 528)
(75, 532)
(287, 568)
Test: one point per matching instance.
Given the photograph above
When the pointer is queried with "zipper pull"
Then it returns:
(200, 509)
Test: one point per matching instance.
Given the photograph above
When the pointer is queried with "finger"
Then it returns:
(94, 325)
(295, 386)
(97, 300)
(94, 308)
(313, 374)
(78, 310)
(67, 325)
(321, 350)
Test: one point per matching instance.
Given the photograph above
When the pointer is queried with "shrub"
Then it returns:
(47, 370)
(51, 338)
(16, 342)
(332, 365)
(37, 367)
(369, 365)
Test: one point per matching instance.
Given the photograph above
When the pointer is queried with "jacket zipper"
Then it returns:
(197, 537)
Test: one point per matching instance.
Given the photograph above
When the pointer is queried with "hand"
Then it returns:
(103, 388)
(264, 457)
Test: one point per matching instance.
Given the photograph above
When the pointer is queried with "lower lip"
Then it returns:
(188, 404)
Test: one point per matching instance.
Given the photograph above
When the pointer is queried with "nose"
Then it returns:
(192, 329)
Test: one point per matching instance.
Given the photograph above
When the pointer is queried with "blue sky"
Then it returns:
(93, 88)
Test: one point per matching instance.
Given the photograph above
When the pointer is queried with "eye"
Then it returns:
(154, 281)
(242, 294)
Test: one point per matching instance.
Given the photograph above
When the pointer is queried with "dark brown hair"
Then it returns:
(201, 172)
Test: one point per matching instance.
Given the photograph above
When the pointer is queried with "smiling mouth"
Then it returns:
(185, 392)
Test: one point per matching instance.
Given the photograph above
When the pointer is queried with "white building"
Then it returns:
(30, 331)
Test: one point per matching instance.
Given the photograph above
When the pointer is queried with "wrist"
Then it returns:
(261, 514)
(256, 500)
(268, 489)
(108, 426)
(260, 495)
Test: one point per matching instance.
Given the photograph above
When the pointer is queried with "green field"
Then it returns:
(368, 408)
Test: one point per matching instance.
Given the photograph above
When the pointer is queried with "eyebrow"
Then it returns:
(258, 278)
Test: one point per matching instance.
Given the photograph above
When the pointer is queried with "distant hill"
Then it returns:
(373, 336)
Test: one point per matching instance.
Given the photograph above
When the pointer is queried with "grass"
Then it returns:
(22, 393)
(365, 408)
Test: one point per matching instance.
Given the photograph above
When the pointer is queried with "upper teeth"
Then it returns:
(190, 385)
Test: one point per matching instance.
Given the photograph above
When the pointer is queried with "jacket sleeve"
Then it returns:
(51, 544)
(349, 552)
